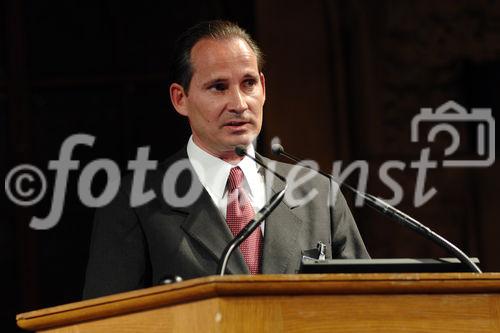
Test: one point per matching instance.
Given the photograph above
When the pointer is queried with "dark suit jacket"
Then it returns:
(137, 247)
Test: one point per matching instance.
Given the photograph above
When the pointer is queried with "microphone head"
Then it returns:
(277, 149)
(240, 151)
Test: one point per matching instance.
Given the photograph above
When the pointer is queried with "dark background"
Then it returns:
(344, 79)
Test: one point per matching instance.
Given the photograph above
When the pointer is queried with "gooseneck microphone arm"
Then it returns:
(256, 221)
(395, 214)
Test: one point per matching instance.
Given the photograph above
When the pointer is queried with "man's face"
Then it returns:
(226, 95)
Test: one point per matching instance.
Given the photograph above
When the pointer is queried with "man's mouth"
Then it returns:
(236, 123)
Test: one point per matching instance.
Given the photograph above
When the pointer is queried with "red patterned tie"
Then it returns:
(239, 213)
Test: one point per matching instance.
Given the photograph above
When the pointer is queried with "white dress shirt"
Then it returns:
(213, 173)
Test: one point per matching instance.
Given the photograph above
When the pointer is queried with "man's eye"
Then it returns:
(250, 82)
(219, 86)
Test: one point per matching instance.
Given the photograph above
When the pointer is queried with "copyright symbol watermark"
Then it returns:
(25, 185)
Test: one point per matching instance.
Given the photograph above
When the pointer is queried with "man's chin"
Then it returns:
(244, 140)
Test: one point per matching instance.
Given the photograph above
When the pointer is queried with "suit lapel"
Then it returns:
(205, 224)
(281, 248)
(280, 241)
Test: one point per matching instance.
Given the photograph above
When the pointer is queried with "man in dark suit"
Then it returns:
(217, 83)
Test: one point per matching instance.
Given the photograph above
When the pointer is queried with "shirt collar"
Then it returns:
(213, 172)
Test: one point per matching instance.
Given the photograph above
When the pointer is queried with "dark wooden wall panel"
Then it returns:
(419, 54)
(389, 59)
(298, 78)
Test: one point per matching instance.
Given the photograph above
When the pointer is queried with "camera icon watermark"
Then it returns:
(452, 112)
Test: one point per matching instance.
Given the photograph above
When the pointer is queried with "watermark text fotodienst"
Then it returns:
(26, 185)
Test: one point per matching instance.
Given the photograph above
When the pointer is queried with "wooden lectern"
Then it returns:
(449, 302)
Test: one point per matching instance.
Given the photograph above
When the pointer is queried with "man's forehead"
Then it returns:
(212, 54)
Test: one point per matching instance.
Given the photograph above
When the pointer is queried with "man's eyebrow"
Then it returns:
(214, 81)
(210, 83)
(251, 76)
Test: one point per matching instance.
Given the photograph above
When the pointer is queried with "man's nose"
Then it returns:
(237, 102)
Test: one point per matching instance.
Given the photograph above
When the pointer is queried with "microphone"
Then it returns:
(394, 214)
(256, 221)
(241, 151)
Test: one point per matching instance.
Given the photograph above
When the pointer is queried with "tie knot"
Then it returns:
(235, 178)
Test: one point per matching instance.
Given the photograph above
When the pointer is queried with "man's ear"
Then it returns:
(263, 83)
(178, 98)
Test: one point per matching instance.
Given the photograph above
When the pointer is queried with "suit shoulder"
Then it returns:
(154, 175)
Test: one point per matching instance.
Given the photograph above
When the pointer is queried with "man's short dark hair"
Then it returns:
(181, 69)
